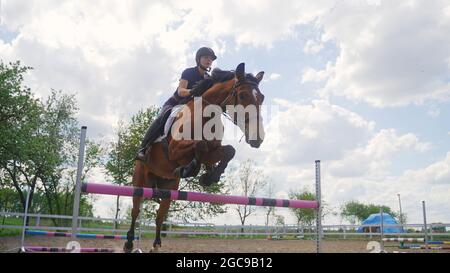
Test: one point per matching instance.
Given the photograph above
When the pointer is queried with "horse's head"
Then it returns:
(248, 101)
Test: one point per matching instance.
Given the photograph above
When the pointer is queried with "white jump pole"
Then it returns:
(382, 230)
(318, 210)
(25, 217)
(425, 225)
(77, 191)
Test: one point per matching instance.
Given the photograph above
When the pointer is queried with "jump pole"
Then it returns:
(78, 235)
(25, 217)
(77, 191)
(381, 229)
(65, 250)
(425, 224)
(149, 193)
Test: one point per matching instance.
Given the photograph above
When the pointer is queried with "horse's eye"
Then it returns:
(242, 96)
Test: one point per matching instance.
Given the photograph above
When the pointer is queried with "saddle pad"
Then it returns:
(175, 110)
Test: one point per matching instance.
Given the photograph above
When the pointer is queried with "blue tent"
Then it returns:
(375, 219)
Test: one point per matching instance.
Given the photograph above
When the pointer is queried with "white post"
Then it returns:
(381, 230)
(401, 214)
(318, 210)
(77, 191)
(431, 232)
(25, 216)
(425, 225)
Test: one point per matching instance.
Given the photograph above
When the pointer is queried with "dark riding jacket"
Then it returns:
(192, 76)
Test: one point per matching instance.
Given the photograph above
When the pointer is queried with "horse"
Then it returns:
(165, 166)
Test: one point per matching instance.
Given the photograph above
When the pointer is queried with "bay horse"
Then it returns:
(183, 158)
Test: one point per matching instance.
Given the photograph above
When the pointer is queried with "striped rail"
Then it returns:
(194, 196)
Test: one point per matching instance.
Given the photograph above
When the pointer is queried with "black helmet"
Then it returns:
(204, 51)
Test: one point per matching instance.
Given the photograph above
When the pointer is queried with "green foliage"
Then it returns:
(357, 212)
(305, 217)
(120, 162)
(38, 144)
(8, 200)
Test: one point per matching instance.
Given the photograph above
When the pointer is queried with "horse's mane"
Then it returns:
(217, 76)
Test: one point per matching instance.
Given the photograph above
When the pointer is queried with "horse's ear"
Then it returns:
(259, 76)
(240, 72)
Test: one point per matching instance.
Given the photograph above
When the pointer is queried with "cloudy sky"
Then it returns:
(361, 85)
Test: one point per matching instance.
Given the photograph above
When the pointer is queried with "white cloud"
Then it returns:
(313, 47)
(375, 158)
(431, 183)
(305, 132)
(274, 76)
(390, 55)
(434, 112)
(357, 161)
(312, 75)
(122, 56)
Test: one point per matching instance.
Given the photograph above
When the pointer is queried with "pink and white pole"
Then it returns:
(149, 193)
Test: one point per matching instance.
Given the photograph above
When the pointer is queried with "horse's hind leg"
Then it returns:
(128, 247)
(163, 209)
(164, 206)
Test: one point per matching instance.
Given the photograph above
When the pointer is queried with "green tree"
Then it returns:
(38, 143)
(19, 120)
(304, 217)
(356, 212)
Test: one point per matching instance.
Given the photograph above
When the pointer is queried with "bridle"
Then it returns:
(231, 96)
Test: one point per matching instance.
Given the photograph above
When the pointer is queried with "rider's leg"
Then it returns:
(154, 131)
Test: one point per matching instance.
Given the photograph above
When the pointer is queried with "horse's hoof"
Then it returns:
(155, 249)
(137, 250)
(177, 172)
(128, 247)
(215, 178)
(204, 180)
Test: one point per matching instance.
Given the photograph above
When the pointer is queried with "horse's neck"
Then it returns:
(218, 93)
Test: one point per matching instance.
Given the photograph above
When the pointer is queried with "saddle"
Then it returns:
(167, 129)
(168, 123)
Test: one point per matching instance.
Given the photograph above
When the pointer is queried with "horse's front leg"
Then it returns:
(223, 155)
(193, 153)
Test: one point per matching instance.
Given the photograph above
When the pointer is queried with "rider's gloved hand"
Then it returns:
(194, 92)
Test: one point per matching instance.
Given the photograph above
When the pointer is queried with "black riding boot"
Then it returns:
(153, 132)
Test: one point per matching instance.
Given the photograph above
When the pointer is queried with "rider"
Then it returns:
(190, 76)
